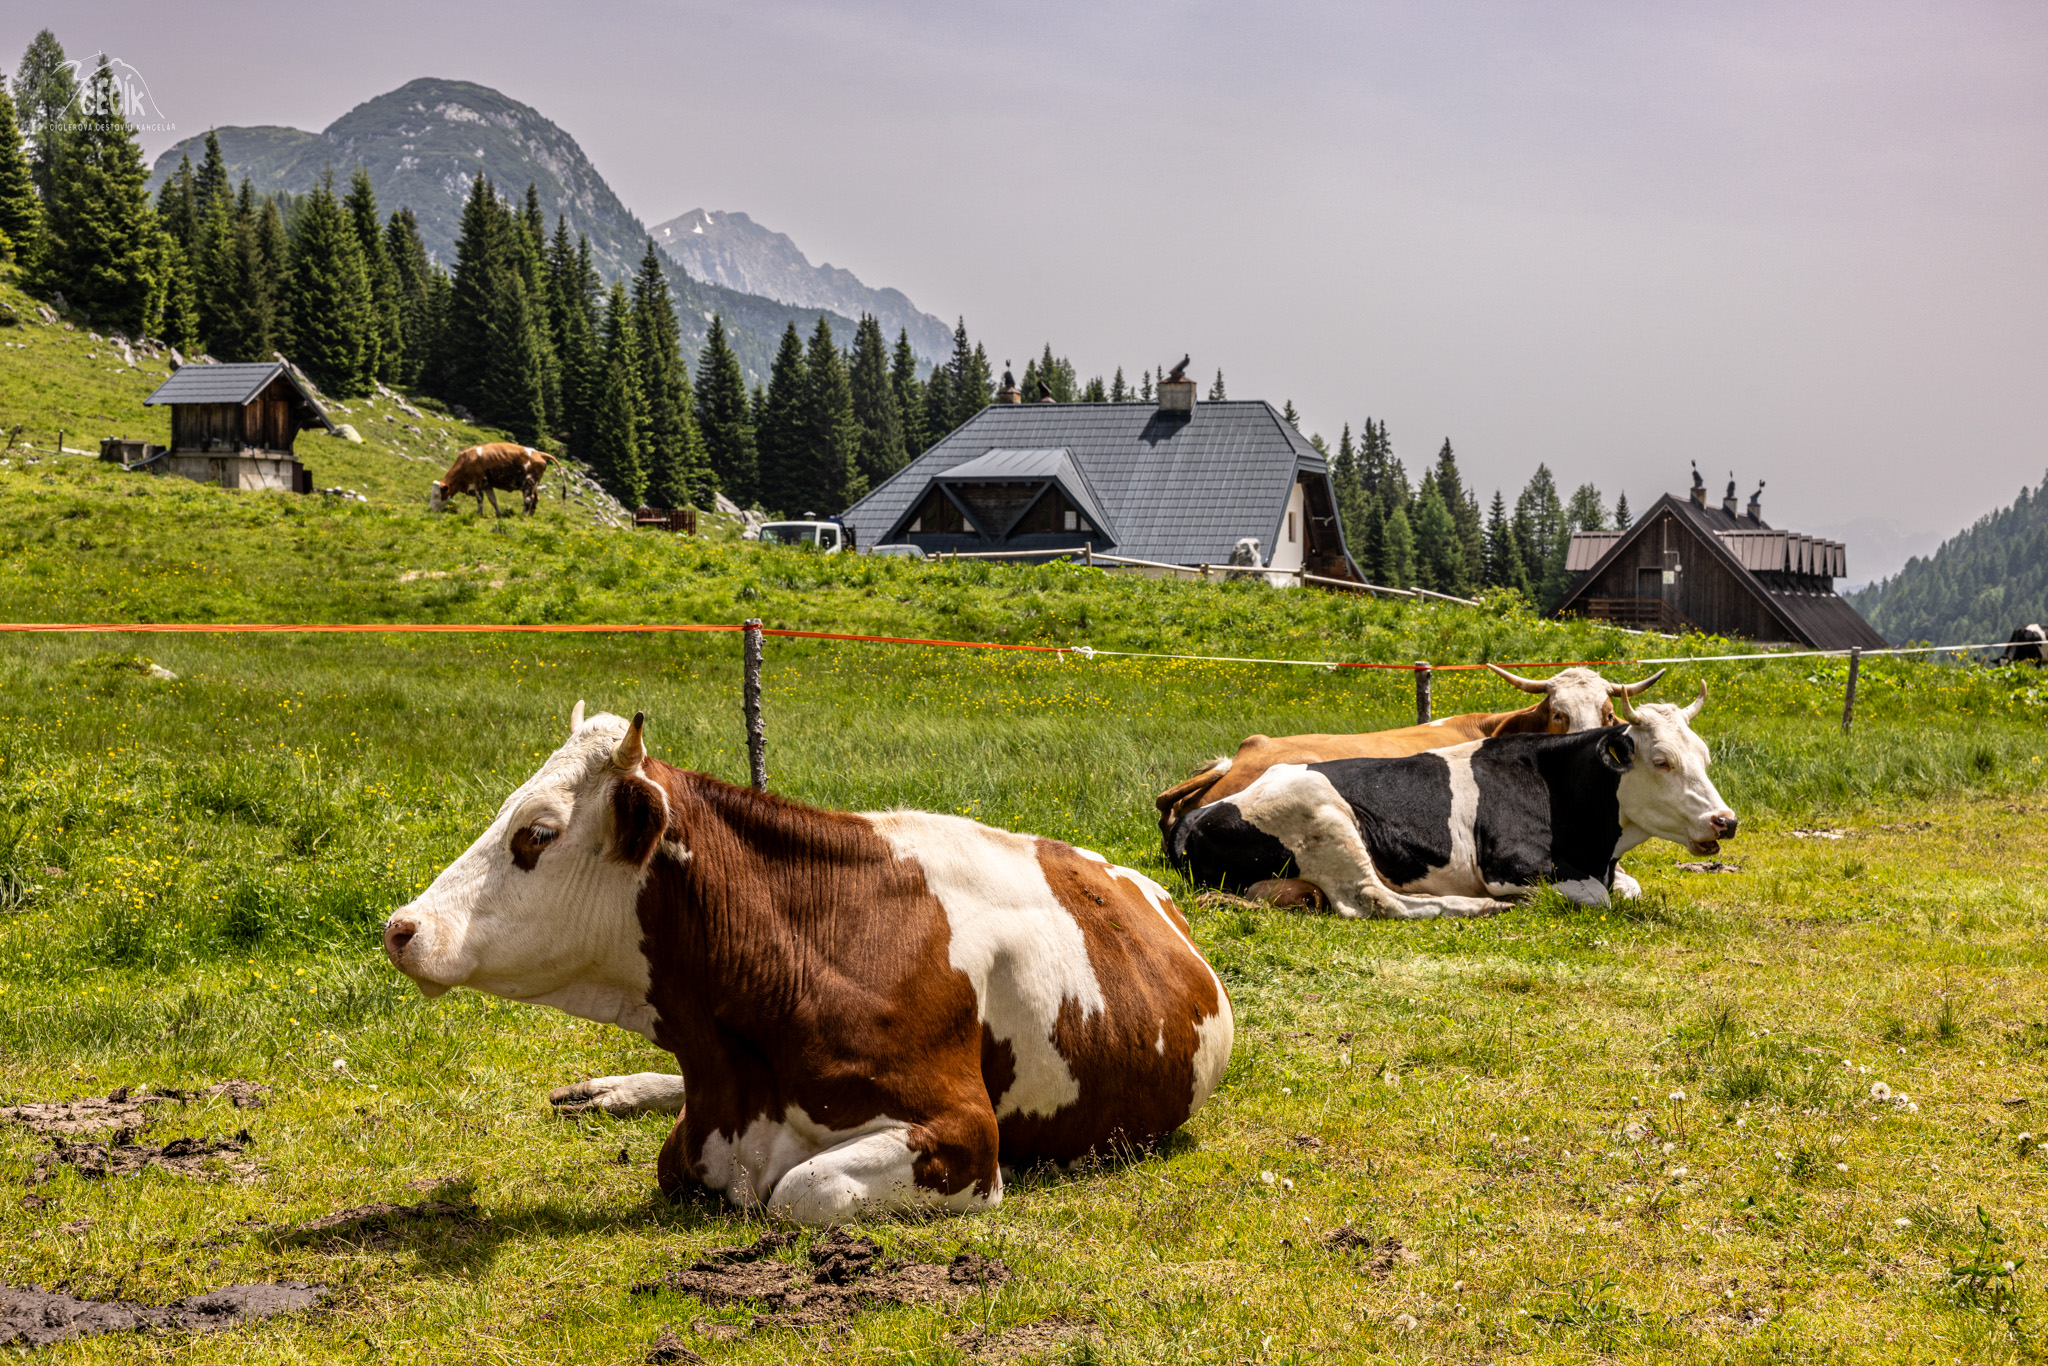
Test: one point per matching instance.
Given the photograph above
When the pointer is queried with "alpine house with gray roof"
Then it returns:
(1177, 483)
(234, 425)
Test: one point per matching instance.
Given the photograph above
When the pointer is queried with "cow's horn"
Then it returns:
(631, 751)
(1623, 709)
(1525, 684)
(576, 717)
(1631, 689)
(1693, 708)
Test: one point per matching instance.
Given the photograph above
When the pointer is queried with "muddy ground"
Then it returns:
(36, 1318)
(841, 1272)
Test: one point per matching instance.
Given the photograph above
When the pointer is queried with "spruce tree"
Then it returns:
(1544, 534)
(875, 411)
(174, 312)
(481, 258)
(45, 92)
(1623, 518)
(909, 394)
(99, 241)
(1503, 555)
(212, 182)
(679, 468)
(832, 478)
(1439, 554)
(1145, 388)
(937, 419)
(516, 362)
(617, 455)
(1216, 392)
(1464, 510)
(1287, 414)
(416, 275)
(1096, 392)
(177, 205)
(386, 340)
(239, 284)
(973, 386)
(779, 429)
(725, 418)
(20, 211)
(1119, 392)
(1586, 512)
(1397, 559)
(327, 306)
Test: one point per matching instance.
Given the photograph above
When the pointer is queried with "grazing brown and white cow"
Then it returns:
(870, 1011)
(485, 469)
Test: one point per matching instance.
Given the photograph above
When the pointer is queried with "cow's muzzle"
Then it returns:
(1724, 825)
(398, 936)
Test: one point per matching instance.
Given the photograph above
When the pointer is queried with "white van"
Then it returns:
(829, 537)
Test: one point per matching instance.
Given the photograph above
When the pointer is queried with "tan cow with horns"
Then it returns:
(486, 469)
(869, 1011)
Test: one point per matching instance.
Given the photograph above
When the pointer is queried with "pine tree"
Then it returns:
(327, 306)
(1439, 553)
(1623, 518)
(385, 343)
(211, 184)
(1397, 558)
(177, 206)
(1464, 510)
(724, 418)
(972, 386)
(679, 468)
(174, 314)
(617, 455)
(481, 257)
(1287, 414)
(909, 394)
(938, 406)
(875, 410)
(415, 277)
(1503, 555)
(1119, 392)
(20, 211)
(832, 480)
(1216, 394)
(239, 280)
(779, 429)
(99, 240)
(1585, 512)
(1145, 389)
(44, 93)
(1544, 535)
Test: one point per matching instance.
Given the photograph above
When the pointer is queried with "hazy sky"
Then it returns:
(1804, 241)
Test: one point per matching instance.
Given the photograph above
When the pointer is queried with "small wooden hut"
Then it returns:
(234, 425)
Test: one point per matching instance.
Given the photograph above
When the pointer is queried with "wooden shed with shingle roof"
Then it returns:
(234, 425)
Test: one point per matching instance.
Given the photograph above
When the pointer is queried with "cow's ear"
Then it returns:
(1618, 751)
(639, 819)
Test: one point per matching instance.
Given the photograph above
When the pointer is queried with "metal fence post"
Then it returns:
(1849, 697)
(757, 731)
(1422, 692)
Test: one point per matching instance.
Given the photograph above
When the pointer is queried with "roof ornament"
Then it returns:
(1699, 485)
(1179, 373)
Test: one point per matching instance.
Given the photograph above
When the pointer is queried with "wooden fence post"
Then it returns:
(1849, 697)
(1088, 554)
(1422, 692)
(757, 732)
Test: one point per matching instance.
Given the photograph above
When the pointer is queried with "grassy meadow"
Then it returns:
(1752, 1117)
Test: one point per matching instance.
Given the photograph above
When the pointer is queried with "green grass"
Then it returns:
(192, 873)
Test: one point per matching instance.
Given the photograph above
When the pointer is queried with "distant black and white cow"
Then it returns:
(1453, 831)
(2025, 646)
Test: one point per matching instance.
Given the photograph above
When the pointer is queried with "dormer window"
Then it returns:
(938, 515)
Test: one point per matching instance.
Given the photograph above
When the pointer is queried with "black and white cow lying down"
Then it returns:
(1453, 831)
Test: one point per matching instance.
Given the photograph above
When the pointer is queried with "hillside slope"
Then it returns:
(733, 250)
(425, 142)
(1977, 587)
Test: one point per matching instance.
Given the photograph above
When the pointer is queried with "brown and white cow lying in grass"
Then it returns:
(869, 1011)
(1571, 700)
(485, 469)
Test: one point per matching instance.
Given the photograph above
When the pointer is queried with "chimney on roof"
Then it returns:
(1008, 393)
(1699, 486)
(1177, 391)
(1728, 498)
(1756, 504)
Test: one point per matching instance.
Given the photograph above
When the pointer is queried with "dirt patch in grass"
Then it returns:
(124, 1107)
(1023, 1340)
(383, 1224)
(841, 1272)
(1383, 1255)
(37, 1318)
(122, 1156)
(669, 1347)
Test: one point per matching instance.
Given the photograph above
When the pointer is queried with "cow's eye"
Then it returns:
(528, 842)
(1661, 763)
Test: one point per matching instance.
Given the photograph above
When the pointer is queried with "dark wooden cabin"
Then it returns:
(234, 425)
(1685, 565)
